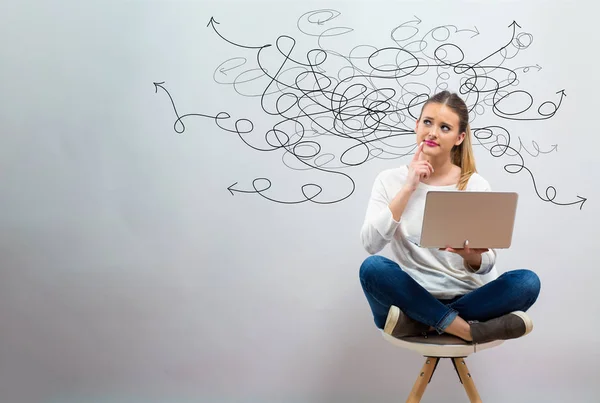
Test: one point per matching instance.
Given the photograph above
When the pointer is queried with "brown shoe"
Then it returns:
(510, 326)
(398, 324)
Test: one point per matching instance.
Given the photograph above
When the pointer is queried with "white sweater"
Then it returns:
(443, 274)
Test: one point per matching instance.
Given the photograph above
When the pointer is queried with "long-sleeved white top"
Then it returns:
(444, 274)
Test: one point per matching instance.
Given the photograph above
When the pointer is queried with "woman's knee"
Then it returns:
(527, 281)
(370, 265)
(531, 282)
(374, 266)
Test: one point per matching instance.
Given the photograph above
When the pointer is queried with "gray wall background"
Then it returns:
(131, 274)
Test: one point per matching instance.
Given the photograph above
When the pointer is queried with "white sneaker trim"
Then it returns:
(392, 319)
(526, 319)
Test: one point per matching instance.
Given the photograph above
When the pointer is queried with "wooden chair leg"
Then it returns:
(422, 380)
(465, 378)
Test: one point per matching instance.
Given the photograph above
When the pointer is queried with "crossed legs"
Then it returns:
(385, 284)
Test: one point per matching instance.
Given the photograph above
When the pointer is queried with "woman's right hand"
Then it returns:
(418, 169)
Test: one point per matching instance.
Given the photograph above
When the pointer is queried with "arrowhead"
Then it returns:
(231, 190)
(562, 92)
(583, 200)
(212, 21)
(418, 19)
(222, 71)
(539, 67)
(555, 147)
(476, 30)
(514, 23)
(156, 85)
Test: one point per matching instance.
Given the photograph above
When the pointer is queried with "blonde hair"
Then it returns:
(462, 154)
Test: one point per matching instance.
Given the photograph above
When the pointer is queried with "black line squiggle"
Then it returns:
(498, 150)
(336, 109)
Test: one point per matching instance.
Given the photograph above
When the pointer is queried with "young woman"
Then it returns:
(424, 290)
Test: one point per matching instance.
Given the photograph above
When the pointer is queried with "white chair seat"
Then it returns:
(440, 345)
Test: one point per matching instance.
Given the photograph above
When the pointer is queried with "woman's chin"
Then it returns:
(433, 153)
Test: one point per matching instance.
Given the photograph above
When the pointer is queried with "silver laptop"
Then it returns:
(485, 219)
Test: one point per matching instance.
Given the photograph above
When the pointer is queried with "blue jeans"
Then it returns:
(385, 283)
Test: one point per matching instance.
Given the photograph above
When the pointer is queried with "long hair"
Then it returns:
(462, 154)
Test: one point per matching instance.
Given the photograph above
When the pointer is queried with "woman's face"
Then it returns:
(438, 128)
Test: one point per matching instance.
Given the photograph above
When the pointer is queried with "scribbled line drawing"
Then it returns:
(334, 110)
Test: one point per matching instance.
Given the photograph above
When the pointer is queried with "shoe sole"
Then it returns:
(392, 319)
(526, 319)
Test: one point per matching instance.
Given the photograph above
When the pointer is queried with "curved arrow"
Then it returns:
(545, 116)
(465, 30)
(526, 68)
(514, 25)
(499, 150)
(554, 147)
(221, 115)
(304, 187)
(212, 23)
(418, 21)
(549, 189)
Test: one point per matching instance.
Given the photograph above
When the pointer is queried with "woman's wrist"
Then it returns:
(474, 261)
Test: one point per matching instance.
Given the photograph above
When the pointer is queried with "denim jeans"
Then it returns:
(385, 283)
